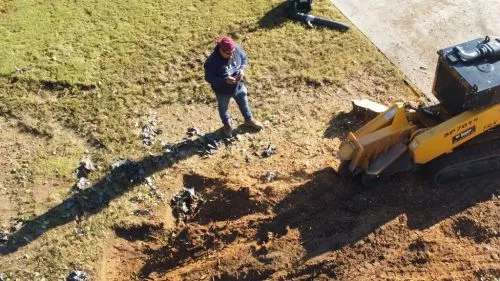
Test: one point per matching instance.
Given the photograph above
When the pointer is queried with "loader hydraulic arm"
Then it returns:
(452, 133)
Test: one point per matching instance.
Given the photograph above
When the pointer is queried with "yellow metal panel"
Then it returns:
(382, 120)
(377, 136)
(351, 148)
(450, 134)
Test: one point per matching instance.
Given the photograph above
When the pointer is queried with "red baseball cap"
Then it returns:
(226, 44)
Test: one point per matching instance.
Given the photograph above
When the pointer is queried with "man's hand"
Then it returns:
(231, 80)
(240, 75)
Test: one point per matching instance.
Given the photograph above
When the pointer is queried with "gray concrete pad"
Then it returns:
(409, 32)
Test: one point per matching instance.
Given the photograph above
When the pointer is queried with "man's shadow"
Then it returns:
(97, 197)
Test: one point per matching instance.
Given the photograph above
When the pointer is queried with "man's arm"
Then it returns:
(244, 63)
(244, 58)
(211, 74)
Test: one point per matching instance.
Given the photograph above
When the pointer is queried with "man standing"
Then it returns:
(225, 71)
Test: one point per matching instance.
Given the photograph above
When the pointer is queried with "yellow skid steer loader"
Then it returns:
(454, 140)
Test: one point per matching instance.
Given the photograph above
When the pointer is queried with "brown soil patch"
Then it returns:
(24, 156)
(308, 223)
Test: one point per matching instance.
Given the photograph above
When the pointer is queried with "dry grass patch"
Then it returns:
(99, 69)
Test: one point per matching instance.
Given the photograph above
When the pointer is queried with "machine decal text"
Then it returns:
(461, 127)
(464, 134)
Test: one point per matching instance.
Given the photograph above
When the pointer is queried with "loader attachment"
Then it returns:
(375, 142)
(454, 140)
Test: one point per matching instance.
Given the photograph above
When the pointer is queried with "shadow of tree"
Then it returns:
(222, 204)
(47, 85)
(331, 213)
(97, 197)
(328, 211)
(275, 17)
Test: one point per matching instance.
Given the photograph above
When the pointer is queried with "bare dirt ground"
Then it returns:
(288, 216)
(21, 191)
(307, 223)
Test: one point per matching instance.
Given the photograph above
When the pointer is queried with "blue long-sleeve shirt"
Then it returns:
(218, 69)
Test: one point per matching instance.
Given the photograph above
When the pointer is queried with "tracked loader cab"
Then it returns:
(460, 140)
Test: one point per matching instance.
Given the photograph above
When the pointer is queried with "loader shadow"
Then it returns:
(331, 213)
(97, 197)
(343, 122)
(348, 212)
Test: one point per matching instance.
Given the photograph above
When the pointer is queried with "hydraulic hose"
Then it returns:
(309, 20)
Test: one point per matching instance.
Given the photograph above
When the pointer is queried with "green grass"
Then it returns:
(138, 55)
(143, 54)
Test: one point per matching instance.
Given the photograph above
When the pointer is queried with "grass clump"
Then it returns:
(98, 67)
(101, 63)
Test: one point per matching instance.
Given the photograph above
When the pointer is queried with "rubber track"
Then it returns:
(487, 155)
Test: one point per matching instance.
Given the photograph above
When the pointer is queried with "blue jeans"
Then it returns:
(241, 99)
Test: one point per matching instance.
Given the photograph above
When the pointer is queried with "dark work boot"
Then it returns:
(254, 124)
(227, 130)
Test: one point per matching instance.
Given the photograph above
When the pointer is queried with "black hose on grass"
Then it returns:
(299, 10)
(310, 20)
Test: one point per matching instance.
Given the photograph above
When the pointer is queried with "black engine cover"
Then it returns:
(299, 6)
(462, 85)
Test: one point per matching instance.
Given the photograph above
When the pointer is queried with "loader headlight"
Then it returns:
(413, 144)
